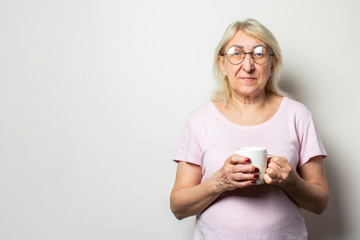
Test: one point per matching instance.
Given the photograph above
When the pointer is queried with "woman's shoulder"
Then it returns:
(200, 112)
(296, 107)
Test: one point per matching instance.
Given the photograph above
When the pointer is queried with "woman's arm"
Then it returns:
(309, 190)
(190, 196)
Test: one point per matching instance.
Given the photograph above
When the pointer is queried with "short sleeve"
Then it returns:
(310, 142)
(188, 148)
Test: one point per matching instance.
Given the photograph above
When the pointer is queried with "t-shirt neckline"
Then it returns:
(231, 123)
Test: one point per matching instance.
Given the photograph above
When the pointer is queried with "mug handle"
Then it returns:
(271, 154)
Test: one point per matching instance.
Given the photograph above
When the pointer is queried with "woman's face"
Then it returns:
(247, 79)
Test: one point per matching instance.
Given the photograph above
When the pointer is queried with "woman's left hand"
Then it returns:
(280, 172)
(309, 188)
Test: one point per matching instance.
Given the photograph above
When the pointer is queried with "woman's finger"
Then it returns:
(272, 173)
(275, 167)
(244, 184)
(280, 161)
(244, 176)
(245, 168)
(237, 159)
(268, 179)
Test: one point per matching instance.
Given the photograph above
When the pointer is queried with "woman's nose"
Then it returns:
(248, 63)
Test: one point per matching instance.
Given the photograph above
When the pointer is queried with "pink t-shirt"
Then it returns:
(261, 211)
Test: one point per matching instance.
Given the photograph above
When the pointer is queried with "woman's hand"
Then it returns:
(280, 172)
(237, 172)
(190, 196)
(309, 189)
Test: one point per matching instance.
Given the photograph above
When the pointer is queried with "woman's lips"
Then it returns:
(248, 79)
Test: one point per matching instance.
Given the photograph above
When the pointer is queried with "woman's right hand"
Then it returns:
(190, 196)
(237, 172)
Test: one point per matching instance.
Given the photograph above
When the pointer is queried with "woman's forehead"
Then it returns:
(244, 40)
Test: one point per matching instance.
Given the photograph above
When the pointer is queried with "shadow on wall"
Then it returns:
(329, 225)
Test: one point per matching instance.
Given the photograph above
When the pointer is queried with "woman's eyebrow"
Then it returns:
(237, 45)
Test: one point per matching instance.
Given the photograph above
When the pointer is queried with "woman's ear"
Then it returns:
(273, 65)
(220, 62)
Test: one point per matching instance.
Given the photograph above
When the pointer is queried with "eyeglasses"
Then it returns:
(236, 55)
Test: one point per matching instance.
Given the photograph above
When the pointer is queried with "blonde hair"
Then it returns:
(260, 32)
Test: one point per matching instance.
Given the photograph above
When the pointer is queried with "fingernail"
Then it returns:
(256, 175)
(252, 181)
(256, 169)
(247, 160)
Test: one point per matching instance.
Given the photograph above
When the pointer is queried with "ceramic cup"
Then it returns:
(258, 157)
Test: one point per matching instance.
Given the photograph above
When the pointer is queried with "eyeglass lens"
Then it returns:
(236, 55)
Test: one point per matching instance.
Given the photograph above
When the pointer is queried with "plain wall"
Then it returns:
(94, 94)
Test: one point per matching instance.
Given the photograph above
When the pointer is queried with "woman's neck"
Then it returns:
(250, 111)
(244, 103)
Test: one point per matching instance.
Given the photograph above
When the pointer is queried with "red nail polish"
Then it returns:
(256, 175)
(247, 160)
(252, 181)
(256, 169)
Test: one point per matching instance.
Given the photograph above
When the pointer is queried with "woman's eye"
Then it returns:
(258, 52)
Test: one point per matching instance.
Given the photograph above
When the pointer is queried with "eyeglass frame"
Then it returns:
(251, 54)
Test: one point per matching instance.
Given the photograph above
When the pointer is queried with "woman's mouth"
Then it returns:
(247, 79)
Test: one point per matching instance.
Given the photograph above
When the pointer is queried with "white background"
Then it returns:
(93, 96)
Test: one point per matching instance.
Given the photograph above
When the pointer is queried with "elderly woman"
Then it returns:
(247, 109)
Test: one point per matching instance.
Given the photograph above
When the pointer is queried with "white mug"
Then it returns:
(258, 157)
